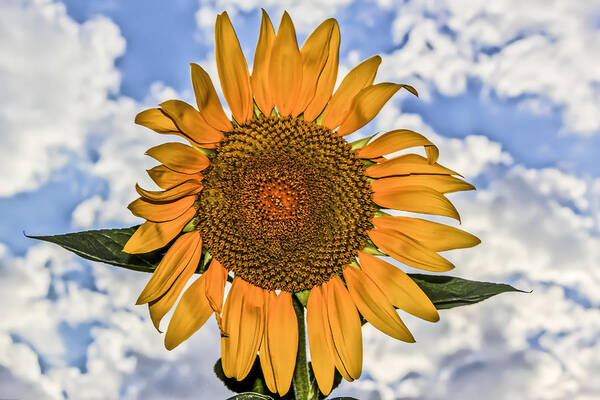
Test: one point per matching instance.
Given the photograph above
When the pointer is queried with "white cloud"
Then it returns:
(306, 14)
(56, 75)
(516, 48)
(125, 357)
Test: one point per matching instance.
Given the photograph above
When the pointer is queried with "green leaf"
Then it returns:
(449, 291)
(250, 396)
(343, 398)
(105, 246)
(253, 383)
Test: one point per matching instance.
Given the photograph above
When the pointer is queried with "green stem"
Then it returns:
(304, 389)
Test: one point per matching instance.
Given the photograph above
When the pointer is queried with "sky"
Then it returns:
(509, 90)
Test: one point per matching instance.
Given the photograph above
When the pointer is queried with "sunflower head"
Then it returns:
(275, 199)
(291, 201)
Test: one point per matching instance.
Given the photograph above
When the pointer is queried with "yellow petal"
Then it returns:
(366, 105)
(172, 264)
(253, 321)
(282, 336)
(191, 313)
(345, 327)
(399, 288)
(161, 212)
(216, 276)
(374, 305)
(243, 321)
(154, 235)
(285, 67)
(191, 186)
(314, 54)
(319, 340)
(190, 122)
(160, 306)
(233, 70)
(409, 251)
(357, 79)
(166, 178)
(327, 78)
(266, 364)
(435, 236)
(232, 314)
(407, 164)
(260, 69)
(440, 183)
(158, 121)
(179, 157)
(417, 199)
(208, 101)
(399, 139)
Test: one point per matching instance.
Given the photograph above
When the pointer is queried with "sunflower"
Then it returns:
(275, 200)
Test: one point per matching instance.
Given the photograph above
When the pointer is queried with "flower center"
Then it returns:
(285, 204)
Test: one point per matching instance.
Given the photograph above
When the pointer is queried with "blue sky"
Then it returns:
(509, 91)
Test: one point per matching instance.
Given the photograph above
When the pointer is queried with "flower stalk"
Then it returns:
(304, 387)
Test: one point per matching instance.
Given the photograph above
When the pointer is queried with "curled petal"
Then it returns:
(158, 121)
(345, 327)
(154, 235)
(398, 287)
(285, 67)
(161, 212)
(192, 311)
(208, 101)
(314, 54)
(190, 122)
(166, 178)
(260, 69)
(216, 276)
(179, 157)
(327, 79)
(374, 305)
(407, 164)
(320, 340)
(435, 236)
(266, 363)
(417, 199)
(172, 264)
(233, 70)
(409, 251)
(440, 183)
(243, 322)
(186, 188)
(399, 139)
(357, 79)
(160, 306)
(366, 105)
(281, 334)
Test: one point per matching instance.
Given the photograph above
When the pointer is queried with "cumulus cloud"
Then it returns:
(70, 330)
(306, 14)
(56, 75)
(533, 50)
